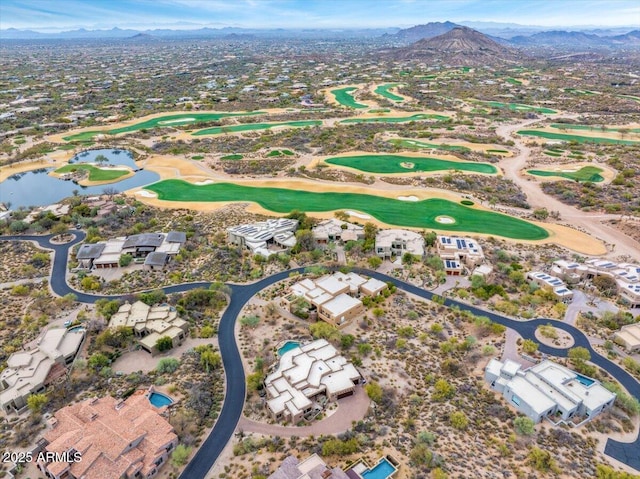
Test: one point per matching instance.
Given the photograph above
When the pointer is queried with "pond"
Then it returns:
(37, 188)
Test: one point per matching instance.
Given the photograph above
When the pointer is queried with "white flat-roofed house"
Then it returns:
(373, 287)
(629, 337)
(462, 250)
(397, 242)
(548, 389)
(305, 373)
(553, 283)
(336, 230)
(340, 310)
(260, 237)
(31, 371)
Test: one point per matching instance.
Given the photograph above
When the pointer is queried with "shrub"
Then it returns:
(167, 365)
(374, 391)
(164, 343)
(36, 402)
(180, 455)
(459, 420)
(524, 426)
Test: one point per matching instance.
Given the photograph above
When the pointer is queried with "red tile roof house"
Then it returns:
(115, 439)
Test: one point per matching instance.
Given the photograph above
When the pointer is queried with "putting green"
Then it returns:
(517, 107)
(580, 139)
(275, 153)
(418, 214)
(571, 126)
(418, 145)
(232, 157)
(383, 90)
(407, 164)
(345, 98)
(95, 174)
(586, 173)
(255, 126)
(161, 121)
(397, 119)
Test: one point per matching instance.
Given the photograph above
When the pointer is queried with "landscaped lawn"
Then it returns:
(344, 97)
(580, 139)
(255, 126)
(95, 174)
(418, 214)
(397, 119)
(586, 173)
(394, 164)
(383, 90)
(162, 121)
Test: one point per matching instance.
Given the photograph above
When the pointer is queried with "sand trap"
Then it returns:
(408, 165)
(147, 194)
(178, 120)
(358, 215)
(408, 198)
(205, 182)
(445, 220)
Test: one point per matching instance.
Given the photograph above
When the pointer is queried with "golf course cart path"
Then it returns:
(617, 242)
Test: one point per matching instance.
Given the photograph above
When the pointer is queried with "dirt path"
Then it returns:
(592, 223)
(350, 409)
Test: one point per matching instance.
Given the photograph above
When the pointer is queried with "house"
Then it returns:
(306, 373)
(150, 323)
(457, 253)
(396, 242)
(629, 337)
(336, 230)
(114, 438)
(261, 237)
(549, 389)
(311, 468)
(40, 364)
(544, 280)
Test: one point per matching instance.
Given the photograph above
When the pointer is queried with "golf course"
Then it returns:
(586, 173)
(389, 164)
(550, 135)
(95, 174)
(345, 98)
(517, 107)
(383, 91)
(159, 122)
(217, 130)
(397, 119)
(417, 214)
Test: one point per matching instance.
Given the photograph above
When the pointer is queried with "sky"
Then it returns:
(57, 15)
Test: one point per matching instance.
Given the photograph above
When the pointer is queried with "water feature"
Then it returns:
(288, 346)
(37, 188)
(584, 380)
(159, 399)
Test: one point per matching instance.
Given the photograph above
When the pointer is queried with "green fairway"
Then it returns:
(161, 121)
(571, 126)
(231, 157)
(255, 126)
(586, 173)
(517, 107)
(631, 97)
(580, 139)
(579, 92)
(394, 164)
(345, 98)
(95, 174)
(513, 81)
(275, 153)
(397, 119)
(383, 90)
(503, 152)
(419, 214)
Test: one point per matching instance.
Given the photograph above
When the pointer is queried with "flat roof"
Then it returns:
(527, 392)
(341, 304)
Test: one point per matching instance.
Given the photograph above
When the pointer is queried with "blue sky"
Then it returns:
(52, 15)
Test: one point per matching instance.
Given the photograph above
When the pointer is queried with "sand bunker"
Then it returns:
(178, 120)
(408, 198)
(408, 165)
(146, 194)
(205, 182)
(445, 220)
(358, 215)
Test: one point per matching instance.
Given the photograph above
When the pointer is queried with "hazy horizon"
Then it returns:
(46, 16)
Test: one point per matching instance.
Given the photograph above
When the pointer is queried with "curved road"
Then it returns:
(205, 457)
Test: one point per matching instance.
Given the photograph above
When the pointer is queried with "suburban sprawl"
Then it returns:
(304, 254)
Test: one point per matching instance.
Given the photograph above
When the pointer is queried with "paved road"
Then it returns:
(205, 457)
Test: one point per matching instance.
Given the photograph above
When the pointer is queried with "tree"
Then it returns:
(255, 381)
(125, 260)
(541, 213)
(408, 259)
(579, 354)
(250, 321)
(164, 343)
(180, 455)
(442, 390)
(98, 361)
(322, 330)
(605, 284)
(374, 391)
(370, 231)
(529, 346)
(430, 239)
(459, 420)
(167, 365)
(35, 402)
(524, 426)
(210, 360)
(374, 262)
(305, 240)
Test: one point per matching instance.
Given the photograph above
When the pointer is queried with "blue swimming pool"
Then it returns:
(159, 399)
(382, 470)
(76, 329)
(584, 380)
(288, 346)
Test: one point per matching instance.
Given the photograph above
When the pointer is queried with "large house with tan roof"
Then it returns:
(336, 230)
(39, 364)
(114, 438)
(305, 373)
(150, 323)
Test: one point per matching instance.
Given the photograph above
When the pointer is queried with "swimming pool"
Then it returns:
(382, 470)
(159, 399)
(584, 380)
(288, 346)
